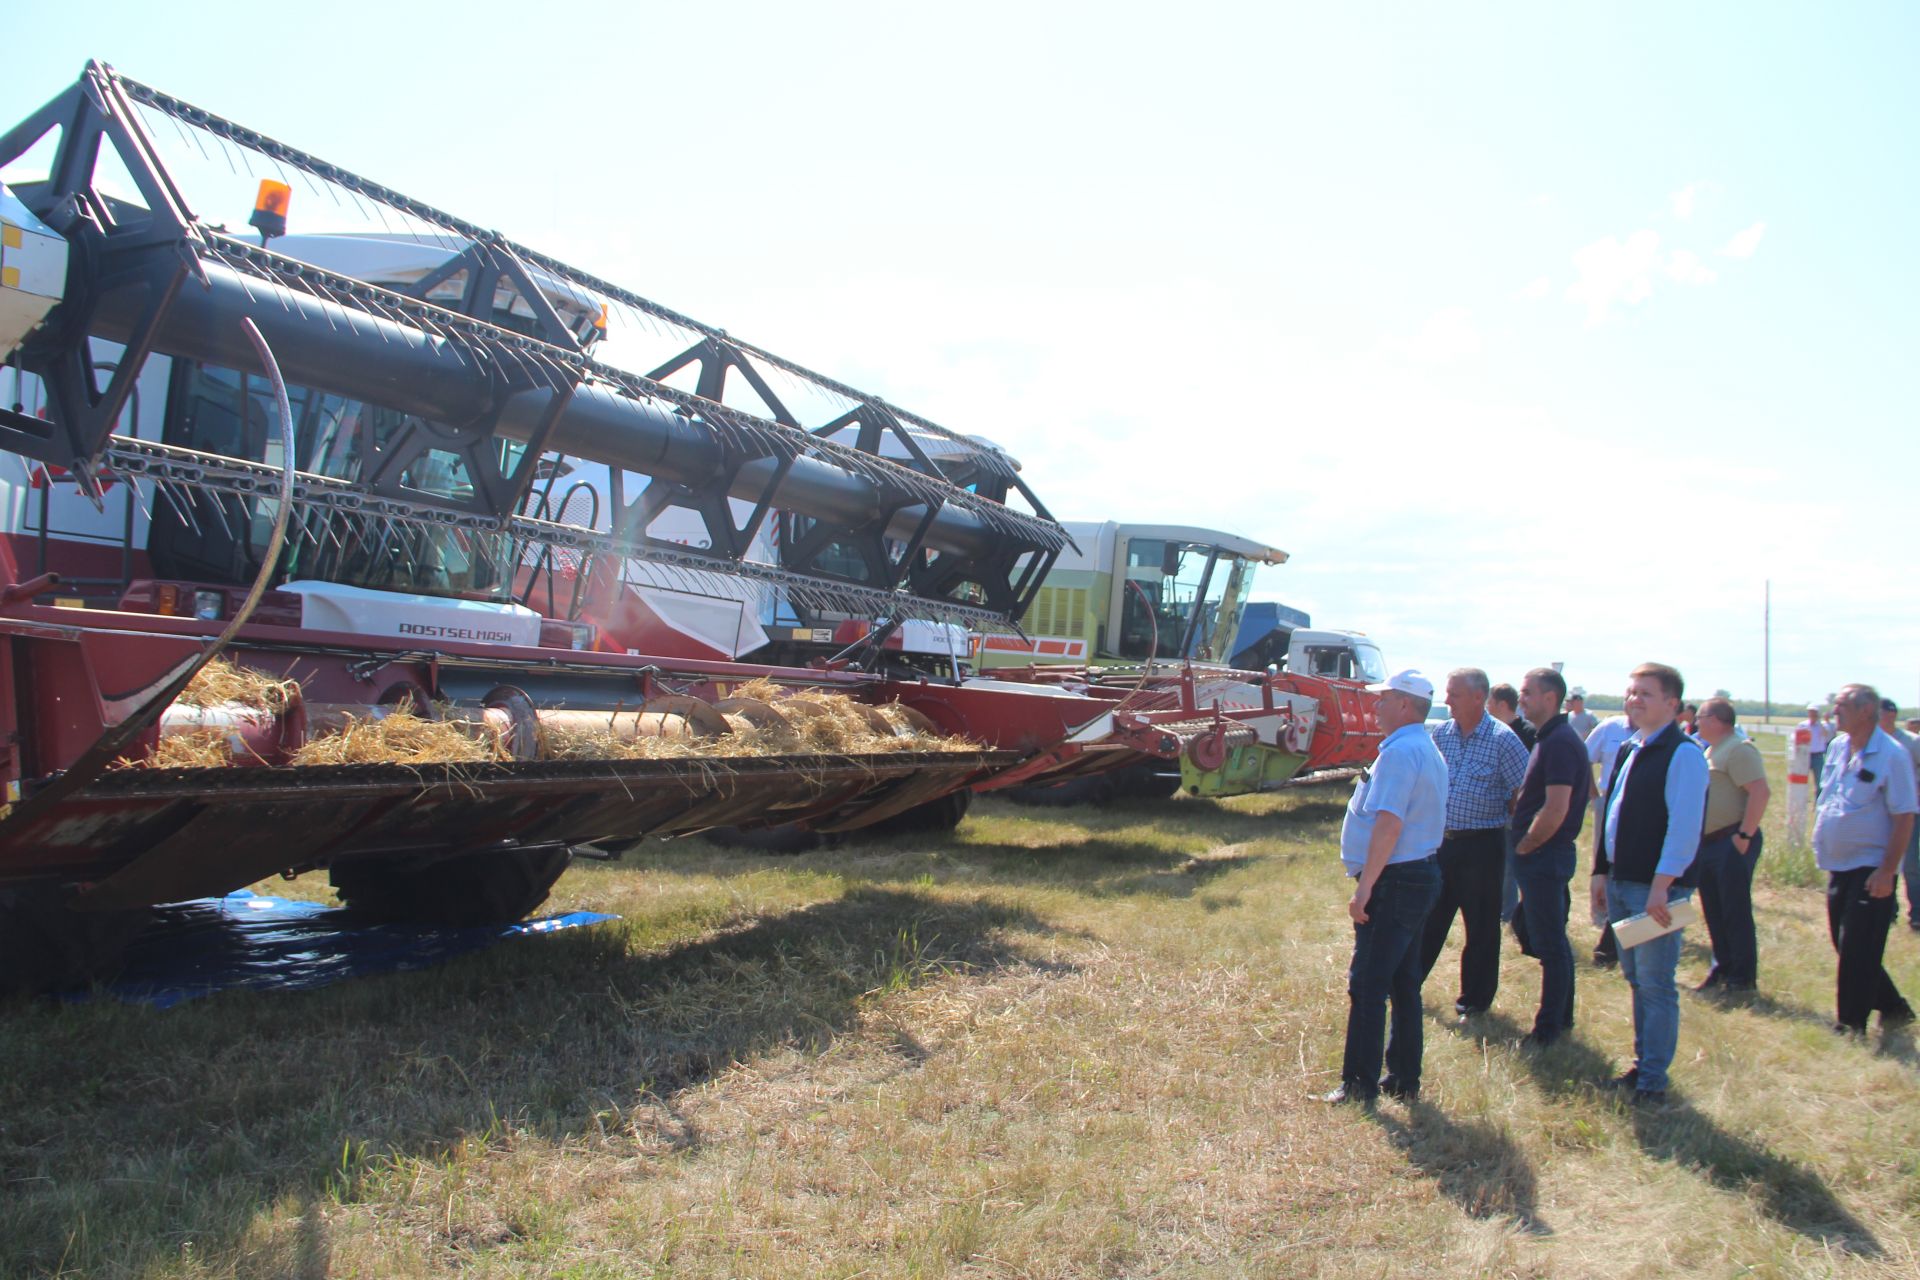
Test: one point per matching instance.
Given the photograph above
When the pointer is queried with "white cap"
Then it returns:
(1578, 691)
(1814, 706)
(1409, 682)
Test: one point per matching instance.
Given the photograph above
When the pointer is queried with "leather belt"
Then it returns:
(1722, 833)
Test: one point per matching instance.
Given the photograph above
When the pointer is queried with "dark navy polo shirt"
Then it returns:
(1559, 759)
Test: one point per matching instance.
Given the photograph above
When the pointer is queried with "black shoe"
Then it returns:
(1601, 960)
(1468, 1012)
(1345, 1096)
(1850, 1032)
(1540, 1039)
(1914, 925)
(1390, 1086)
(1628, 1079)
(1649, 1097)
(1709, 983)
(1903, 1018)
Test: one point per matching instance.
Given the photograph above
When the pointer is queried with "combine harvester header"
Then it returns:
(276, 497)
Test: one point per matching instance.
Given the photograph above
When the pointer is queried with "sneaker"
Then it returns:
(1390, 1086)
(1628, 1079)
(1344, 1096)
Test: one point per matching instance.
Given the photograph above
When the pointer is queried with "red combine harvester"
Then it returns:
(409, 471)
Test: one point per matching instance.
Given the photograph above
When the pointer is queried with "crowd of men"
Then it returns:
(1481, 815)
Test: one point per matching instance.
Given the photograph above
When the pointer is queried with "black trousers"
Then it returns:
(1473, 871)
(1726, 902)
(1858, 926)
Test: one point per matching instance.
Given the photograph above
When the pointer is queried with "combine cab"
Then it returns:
(482, 534)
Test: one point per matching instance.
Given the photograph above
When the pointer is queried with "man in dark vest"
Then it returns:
(1643, 860)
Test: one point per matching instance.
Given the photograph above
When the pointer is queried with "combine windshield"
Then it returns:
(1188, 601)
(234, 414)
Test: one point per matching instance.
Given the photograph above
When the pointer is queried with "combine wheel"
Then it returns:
(1135, 782)
(490, 887)
(932, 818)
(46, 945)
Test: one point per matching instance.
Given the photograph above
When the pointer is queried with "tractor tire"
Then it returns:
(785, 840)
(467, 889)
(1135, 782)
(1148, 782)
(935, 817)
(46, 946)
(1094, 789)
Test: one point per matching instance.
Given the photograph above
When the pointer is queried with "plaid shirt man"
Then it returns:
(1484, 769)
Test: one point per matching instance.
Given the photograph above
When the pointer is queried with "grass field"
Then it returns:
(1054, 1044)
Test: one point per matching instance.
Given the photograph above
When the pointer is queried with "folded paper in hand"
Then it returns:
(1635, 930)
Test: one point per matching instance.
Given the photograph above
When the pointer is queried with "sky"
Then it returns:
(1533, 334)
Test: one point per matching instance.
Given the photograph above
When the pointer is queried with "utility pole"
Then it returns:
(1766, 649)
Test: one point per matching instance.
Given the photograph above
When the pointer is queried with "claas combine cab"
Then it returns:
(391, 546)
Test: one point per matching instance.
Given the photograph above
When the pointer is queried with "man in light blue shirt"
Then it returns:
(1860, 827)
(1394, 823)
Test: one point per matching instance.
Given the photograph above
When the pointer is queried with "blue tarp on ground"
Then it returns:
(246, 942)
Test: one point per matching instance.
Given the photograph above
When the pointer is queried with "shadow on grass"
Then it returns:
(1477, 1166)
(128, 1132)
(1786, 1191)
(1105, 867)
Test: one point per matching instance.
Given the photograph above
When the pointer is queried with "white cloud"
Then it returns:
(1743, 245)
(1448, 335)
(1535, 290)
(1684, 267)
(1611, 272)
(1686, 198)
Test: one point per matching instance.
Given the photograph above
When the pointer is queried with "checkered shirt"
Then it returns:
(1483, 770)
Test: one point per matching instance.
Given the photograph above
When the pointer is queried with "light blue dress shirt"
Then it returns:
(1409, 780)
(1686, 795)
(1859, 794)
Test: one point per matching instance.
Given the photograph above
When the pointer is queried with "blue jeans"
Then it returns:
(1726, 904)
(1386, 966)
(1648, 969)
(1544, 903)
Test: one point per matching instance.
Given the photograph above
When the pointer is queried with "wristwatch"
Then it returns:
(1746, 835)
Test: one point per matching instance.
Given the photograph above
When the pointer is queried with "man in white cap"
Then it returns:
(1393, 827)
(1582, 721)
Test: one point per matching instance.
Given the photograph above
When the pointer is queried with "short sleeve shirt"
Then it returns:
(1409, 780)
(1559, 759)
(1732, 767)
(1817, 735)
(1860, 791)
(1604, 743)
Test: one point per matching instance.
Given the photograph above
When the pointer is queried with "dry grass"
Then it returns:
(1055, 1044)
(220, 682)
(400, 737)
(193, 749)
